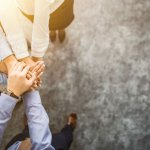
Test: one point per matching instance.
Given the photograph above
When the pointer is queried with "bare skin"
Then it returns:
(38, 67)
(10, 61)
(17, 81)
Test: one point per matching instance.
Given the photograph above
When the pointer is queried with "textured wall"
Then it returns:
(101, 72)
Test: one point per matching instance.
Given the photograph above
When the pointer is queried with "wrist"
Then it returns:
(12, 94)
(18, 94)
(26, 60)
(35, 59)
(10, 61)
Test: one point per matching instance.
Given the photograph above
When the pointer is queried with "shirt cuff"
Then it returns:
(7, 103)
(21, 55)
(39, 46)
(31, 98)
(37, 54)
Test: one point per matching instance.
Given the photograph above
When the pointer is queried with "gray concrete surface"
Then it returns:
(101, 72)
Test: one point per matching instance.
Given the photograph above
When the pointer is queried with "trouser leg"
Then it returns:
(63, 140)
(67, 131)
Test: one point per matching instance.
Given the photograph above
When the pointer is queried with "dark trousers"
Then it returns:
(60, 141)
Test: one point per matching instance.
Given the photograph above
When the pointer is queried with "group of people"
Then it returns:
(26, 27)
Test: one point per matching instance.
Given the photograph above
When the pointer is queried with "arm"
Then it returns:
(38, 122)
(17, 84)
(7, 104)
(5, 50)
(13, 30)
(40, 34)
(6, 54)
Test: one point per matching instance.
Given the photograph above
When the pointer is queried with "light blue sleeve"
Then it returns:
(7, 104)
(38, 122)
(3, 79)
(15, 146)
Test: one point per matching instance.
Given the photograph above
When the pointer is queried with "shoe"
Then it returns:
(61, 35)
(72, 120)
(53, 36)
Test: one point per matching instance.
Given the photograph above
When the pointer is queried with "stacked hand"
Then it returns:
(38, 68)
(17, 79)
(35, 65)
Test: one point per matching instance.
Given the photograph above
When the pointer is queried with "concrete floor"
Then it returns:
(101, 72)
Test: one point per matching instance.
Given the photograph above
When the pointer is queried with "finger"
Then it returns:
(28, 76)
(41, 69)
(32, 79)
(30, 73)
(16, 66)
(39, 75)
(38, 84)
(38, 66)
(25, 70)
(35, 82)
(35, 86)
(21, 66)
(34, 65)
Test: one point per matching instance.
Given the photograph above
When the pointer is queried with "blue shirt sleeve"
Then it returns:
(15, 146)
(7, 104)
(38, 122)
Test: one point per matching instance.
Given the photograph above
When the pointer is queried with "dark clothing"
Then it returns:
(63, 140)
(61, 18)
(60, 141)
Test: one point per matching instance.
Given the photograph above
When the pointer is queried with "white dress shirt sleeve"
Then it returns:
(5, 49)
(40, 34)
(38, 122)
(13, 30)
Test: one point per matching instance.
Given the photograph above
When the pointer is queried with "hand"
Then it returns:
(34, 66)
(9, 62)
(17, 81)
(38, 69)
(35, 59)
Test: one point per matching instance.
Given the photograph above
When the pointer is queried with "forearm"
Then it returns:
(7, 104)
(14, 32)
(5, 50)
(37, 121)
(40, 34)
